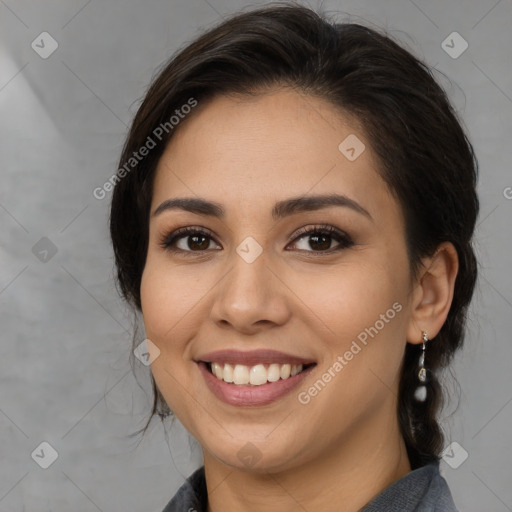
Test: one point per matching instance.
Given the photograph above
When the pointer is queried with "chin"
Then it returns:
(248, 454)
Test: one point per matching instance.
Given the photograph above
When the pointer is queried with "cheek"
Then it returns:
(155, 302)
(360, 318)
(347, 299)
(168, 298)
(165, 303)
(359, 313)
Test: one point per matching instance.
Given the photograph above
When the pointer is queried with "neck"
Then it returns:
(355, 469)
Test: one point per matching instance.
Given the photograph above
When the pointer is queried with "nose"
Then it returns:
(250, 297)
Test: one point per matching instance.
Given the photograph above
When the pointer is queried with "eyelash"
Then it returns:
(167, 242)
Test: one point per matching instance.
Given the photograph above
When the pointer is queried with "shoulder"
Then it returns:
(437, 497)
(191, 496)
(422, 490)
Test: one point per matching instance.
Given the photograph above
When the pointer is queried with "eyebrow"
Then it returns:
(280, 210)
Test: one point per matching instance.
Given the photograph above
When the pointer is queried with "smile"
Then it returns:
(256, 375)
(252, 378)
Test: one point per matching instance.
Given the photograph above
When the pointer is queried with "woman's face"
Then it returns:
(253, 281)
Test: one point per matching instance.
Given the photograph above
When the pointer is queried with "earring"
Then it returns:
(421, 391)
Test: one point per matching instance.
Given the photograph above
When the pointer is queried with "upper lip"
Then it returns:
(252, 357)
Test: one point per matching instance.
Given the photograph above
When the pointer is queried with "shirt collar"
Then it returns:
(421, 490)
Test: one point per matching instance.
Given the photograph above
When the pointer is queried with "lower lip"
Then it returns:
(246, 395)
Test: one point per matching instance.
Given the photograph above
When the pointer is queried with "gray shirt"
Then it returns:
(421, 490)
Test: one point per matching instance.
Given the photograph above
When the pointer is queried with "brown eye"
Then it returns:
(197, 242)
(321, 238)
(187, 240)
(317, 239)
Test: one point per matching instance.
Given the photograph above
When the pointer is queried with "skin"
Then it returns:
(246, 153)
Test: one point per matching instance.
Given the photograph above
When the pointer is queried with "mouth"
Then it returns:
(255, 375)
(257, 385)
(253, 378)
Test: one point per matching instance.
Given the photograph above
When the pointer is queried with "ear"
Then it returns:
(433, 293)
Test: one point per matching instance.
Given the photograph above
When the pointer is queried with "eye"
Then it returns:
(321, 238)
(191, 239)
(187, 240)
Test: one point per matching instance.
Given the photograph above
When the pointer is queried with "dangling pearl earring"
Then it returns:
(421, 391)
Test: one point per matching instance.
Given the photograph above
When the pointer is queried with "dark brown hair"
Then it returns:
(426, 158)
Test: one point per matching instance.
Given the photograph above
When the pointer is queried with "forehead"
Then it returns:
(254, 149)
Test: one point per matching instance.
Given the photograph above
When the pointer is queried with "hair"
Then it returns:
(425, 158)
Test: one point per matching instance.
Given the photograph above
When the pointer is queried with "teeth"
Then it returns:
(254, 375)
(217, 370)
(274, 373)
(258, 375)
(228, 373)
(240, 374)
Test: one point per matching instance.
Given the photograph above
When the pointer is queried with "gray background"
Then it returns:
(66, 336)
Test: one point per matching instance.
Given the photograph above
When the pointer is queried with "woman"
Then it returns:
(293, 216)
